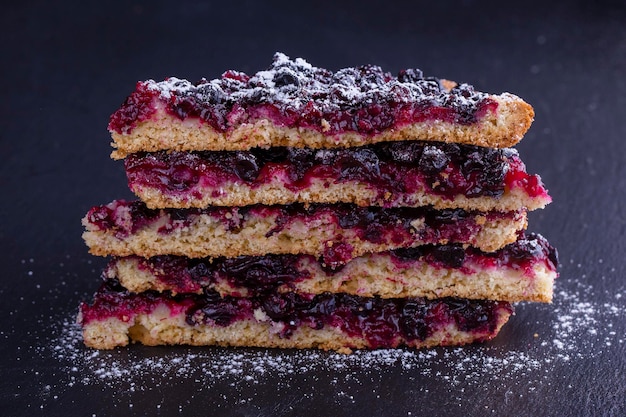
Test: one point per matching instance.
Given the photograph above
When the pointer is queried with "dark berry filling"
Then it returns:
(526, 252)
(123, 218)
(258, 274)
(445, 256)
(293, 93)
(379, 321)
(398, 168)
(522, 255)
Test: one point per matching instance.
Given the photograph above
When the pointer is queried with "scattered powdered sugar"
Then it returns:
(581, 328)
(533, 357)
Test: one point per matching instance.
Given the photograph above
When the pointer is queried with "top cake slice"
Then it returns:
(295, 104)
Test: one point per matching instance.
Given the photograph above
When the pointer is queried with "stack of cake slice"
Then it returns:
(302, 208)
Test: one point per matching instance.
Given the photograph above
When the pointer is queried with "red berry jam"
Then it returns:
(379, 321)
(443, 169)
(293, 93)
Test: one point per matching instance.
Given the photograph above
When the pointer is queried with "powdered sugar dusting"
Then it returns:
(297, 84)
(581, 329)
(293, 93)
(169, 87)
(537, 354)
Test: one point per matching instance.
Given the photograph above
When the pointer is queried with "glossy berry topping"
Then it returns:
(443, 169)
(293, 93)
(257, 274)
(381, 322)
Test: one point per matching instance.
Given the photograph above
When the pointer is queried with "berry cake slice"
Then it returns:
(298, 105)
(337, 232)
(303, 208)
(522, 271)
(327, 321)
(404, 173)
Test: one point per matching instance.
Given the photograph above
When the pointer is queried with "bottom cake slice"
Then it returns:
(327, 321)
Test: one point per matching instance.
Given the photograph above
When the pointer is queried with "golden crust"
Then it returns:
(500, 129)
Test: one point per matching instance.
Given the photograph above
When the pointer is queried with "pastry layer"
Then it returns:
(326, 321)
(295, 104)
(337, 233)
(522, 271)
(407, 173)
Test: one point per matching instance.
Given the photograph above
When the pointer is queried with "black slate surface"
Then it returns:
(67, 65)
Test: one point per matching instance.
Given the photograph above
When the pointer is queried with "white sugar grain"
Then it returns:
(579, 328)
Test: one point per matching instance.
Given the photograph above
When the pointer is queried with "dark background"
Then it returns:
(66, 66)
